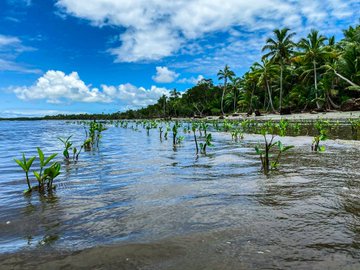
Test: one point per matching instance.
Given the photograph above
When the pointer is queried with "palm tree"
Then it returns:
(345, 62)
(235, 86)
(162, 103)
(280, 50)
(313, 51)
(249, 86)
(265, 71)
(224, 75)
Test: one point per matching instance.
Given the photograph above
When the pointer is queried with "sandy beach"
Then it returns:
(335, 115)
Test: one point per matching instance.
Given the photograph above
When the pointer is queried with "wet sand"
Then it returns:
(219, 250)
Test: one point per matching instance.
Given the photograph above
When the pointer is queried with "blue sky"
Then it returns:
(65, 56)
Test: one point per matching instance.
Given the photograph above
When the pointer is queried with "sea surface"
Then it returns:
(138, 203)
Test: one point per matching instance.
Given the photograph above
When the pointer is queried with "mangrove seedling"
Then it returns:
(148, 127)
(175, 132)
(204, 126)
(281, 149)
(161, 131)
(236, 134)
(282, 127)
(26, 165)
(40, 176)
(264, 153)
(166, 132)
(193, 128)
(207, 142)
(355, 127)
(51, 173)
(321, 127)
(67, 145)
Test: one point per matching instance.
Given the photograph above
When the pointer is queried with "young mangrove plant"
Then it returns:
(160, 131)
(45, 176)
(94, 135)
(265, 152)
(75, 152)
(51, 173)
(41, 176)
(67, 145)
(148, 127)
(175, 132)
(193, 128)
(321, 128)
(282, 127)
(204, 127)
(236, 134)
(355, 127)
(166, 132)
(26, 165)
(208, 140)
(281, 149)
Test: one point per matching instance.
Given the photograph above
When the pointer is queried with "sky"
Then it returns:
(104, 56)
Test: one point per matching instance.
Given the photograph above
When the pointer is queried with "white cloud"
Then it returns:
(8, 65)
(8, 40)
(131, 96)
(10, 48)
(57, 87)
(191, 80)
(164, 75)
(146, 44)
(154, 29)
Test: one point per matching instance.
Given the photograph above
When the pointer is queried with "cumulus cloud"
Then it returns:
(164, 75)
(131, 96)
(57, 87)
(191, 80)
(154, 29)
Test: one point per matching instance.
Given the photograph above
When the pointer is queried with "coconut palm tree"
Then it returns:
(279, 50)
(235, 86)
(265, 70)
(313, 51)
(345, 62)
(225, 75)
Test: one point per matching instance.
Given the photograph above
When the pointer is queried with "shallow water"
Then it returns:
(159, 208)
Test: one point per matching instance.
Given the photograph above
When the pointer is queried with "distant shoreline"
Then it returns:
(333, 115)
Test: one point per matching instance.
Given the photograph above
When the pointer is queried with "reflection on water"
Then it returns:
(139, 194)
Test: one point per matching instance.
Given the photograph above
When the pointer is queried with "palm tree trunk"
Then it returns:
(234, 101)
(269, 93)
(331, 102)
(316, 86)
(345, 79)
(281, 84)
(222, 97)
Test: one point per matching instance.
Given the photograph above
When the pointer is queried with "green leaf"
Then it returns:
(29, 163)
(287, 148)
(22, 165)
(49, 159)
(322, 148)
(258, 151)
(41, 156)
(37, 175)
